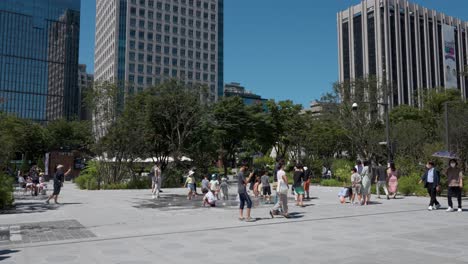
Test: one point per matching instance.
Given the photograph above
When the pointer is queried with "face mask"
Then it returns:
(453, 165)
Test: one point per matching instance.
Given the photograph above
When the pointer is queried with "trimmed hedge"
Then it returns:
(6, 191)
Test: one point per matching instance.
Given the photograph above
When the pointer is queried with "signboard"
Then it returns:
(450, 62)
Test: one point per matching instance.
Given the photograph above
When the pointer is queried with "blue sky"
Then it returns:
(276, 48)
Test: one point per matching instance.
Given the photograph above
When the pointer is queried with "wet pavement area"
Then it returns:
(169, 202)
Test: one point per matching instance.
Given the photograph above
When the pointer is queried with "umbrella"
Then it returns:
(445, 154)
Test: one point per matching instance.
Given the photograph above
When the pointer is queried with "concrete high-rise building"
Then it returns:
(235, 89)
(140, 43)
(409, 46)
(39, 43)
(85, 83)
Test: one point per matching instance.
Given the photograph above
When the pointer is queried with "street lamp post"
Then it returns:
(355, 106)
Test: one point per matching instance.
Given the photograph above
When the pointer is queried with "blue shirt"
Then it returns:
(430, 176)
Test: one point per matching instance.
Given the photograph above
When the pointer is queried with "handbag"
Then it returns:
(438, 188)
(283, 189)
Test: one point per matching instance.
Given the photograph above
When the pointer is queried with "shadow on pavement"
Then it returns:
(180, 202)
(6, 252)
(33, 207)
(295, 215)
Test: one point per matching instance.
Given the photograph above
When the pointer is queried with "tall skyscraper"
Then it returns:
(39, 43)
(85, 83)
(140, 43)
(407, 45)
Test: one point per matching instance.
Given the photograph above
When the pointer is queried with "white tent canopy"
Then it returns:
(140, 160)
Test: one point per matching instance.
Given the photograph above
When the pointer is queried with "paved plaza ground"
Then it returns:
(127, 226)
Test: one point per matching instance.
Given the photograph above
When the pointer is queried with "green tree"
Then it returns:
(364, 125)
(174, 112)
(284, 122)
(69, 134)
(232, 124)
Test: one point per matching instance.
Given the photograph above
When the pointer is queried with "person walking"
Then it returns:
(359, 167)
(266, 187)
(431, 179)
(156, 179)
(298, 180)
(282, 193)
(381, 180)
(214, 185)
(205, 183)
(355, 185)
(190, 185)
(307, 176)
(59, 178)
(224, 188)
(455, 185)
(366, 184)
(243, 195)
(393, 175)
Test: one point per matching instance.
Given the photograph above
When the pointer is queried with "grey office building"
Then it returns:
(39, 43)
(141, 43)
(407, 45)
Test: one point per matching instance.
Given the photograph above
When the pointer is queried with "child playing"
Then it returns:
(343, 194)
(224, 188)
(209, 198)
(214, 185)
(255, 187)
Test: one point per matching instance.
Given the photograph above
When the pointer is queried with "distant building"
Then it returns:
(143, 42)
(411, 47)
(39, 43)
(85, 83)
(318, 108)
(249, 98)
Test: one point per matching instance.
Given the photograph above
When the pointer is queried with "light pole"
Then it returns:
(355, 106)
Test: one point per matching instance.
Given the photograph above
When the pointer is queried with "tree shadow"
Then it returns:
(4, 253)
(30, 207)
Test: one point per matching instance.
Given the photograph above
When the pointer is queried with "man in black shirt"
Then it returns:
(59, 178)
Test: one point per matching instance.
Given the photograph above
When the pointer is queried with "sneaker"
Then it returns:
(430, 208)
(271, 214)
(450, 209)
(437, 206)
(154, 196)
(459, 210)
(47, 202)
(250, 219)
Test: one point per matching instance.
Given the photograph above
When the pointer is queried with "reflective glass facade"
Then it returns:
(39, 43)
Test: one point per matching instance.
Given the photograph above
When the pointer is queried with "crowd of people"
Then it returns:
(259, 184)
(32, 181)
(387, 179)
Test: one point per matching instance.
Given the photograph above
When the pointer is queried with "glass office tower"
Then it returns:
(39, 43)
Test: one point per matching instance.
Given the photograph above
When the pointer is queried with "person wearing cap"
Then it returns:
(190, 184)
(214, 185)
(59, 178)
(243, 195)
